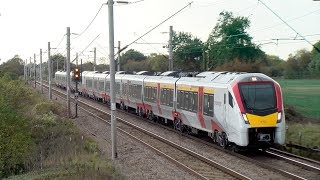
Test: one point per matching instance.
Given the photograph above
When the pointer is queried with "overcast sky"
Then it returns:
(27, 26)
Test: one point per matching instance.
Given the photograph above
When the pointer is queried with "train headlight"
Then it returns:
(279, 117)
(244, 116)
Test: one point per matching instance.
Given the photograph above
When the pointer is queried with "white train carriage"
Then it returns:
(244, 109)
(82, 86)
(118, 87)
(159, 97)
(99, 90)
(60, 79)
(87, 83)
(132, 92)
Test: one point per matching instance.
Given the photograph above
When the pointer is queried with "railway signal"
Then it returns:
(76, 78)
(76, 74)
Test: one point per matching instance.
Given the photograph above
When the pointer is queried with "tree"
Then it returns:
(297, 65)
(229, 41)
(274, 66)
(58, 59)
(314, 65)
(132, 55)
(158, 63)
(135, 66)
(187, 51)
(13, 67)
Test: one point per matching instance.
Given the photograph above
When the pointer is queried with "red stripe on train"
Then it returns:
(200, 115)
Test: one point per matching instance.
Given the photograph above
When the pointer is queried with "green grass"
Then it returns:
(304, 134)
(303, 95)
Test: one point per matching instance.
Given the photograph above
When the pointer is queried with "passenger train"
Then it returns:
(234, 109)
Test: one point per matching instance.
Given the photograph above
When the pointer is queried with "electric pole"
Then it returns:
(49, 71)
(41, 71)
(24, 70)
(35, 71)
(170, 49)
(30, 69)
(68, 71)
(112, 82)
(94, 59)
(118, 64)
(77, 59)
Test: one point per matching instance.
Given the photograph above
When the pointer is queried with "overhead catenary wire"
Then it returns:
(87, 46)
(90, 22)
(189, 4)
(289, 26)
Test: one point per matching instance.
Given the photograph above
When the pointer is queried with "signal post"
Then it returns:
(76, 78)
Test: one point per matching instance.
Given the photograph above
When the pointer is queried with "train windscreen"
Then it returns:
(258, 97)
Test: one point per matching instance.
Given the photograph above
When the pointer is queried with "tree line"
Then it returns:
(229, 47)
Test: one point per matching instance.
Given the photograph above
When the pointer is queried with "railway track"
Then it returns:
(192, 162)
(271, 160)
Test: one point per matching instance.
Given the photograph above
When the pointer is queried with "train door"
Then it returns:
(220, 107)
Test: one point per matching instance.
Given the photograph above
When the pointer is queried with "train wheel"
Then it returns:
(122, 106)
(222, 138)
(215, 136)
(178, 125)
(140, 112)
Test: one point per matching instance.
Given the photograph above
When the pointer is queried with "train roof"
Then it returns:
(223, 78)
(134, 77)
(161, 79)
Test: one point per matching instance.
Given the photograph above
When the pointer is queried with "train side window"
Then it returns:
(211, 100)
(179, 94)
(195, 102)
(107, 86)
(161, 96)
(154, 94)
(171, 98)
(230, 100)
(205, 104)
(182, 99)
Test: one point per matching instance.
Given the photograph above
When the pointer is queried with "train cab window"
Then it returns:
(230, 100)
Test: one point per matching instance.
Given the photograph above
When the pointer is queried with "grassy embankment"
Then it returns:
(36, 142)
(303, 96)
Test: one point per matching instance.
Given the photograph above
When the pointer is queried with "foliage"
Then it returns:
(274, 66)
(306, 134)
(13, 68)
(297, 65)
(314, 65)
(57, 61)
(135, 66)
(15, 137)
(229, 41)
(303, 95)
(238, 66)
(187, 51)
(158, 63)
(132, 55)
(34, 136)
